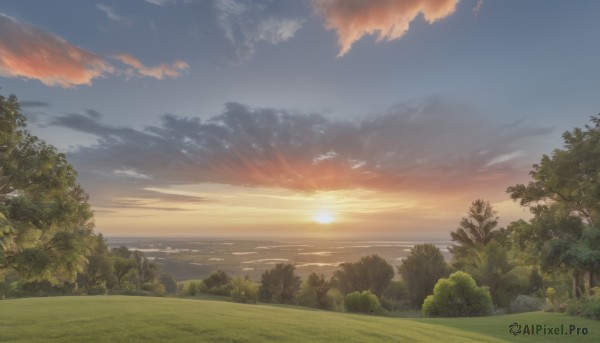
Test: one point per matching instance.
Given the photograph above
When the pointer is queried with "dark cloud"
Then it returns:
(424, 146)
(34, 104)
(93, 114)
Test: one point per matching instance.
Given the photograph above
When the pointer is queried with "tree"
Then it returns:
(100, 269)
(563, 197)
(243, 290)
(123, 267)
(46, 219)
(279, 284)
(475, 230)
(365, 302)
(458, 296)
(216, 279)
(493, 267)
(169, 282)
(421, 269)
(371, 273)
(314, 291)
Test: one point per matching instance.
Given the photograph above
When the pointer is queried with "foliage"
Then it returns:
(396, 296)
(494, 268)
(371, 273)
(169, 283)
(475, 230)
(365, 302)
(46, 223)
(192, 288)
(564, 232)
(458, 296)
(525, 303)
(313, 292)
(154, 287)
(421, 269)
(243, 290)
(279, 284)
(335, 300)
(217, 283)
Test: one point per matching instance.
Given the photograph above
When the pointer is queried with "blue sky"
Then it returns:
(520, 72)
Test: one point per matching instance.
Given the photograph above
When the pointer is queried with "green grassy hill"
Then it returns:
(147, 319)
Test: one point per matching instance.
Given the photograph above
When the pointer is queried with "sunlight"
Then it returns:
(324, 217)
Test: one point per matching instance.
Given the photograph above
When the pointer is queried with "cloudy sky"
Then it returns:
(231, 117)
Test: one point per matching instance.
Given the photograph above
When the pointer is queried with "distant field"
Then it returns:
(195, 258)
(146, 319)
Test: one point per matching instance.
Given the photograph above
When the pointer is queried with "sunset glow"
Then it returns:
(324, 217)
(299, 118)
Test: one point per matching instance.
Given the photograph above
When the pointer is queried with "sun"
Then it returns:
(324, 217)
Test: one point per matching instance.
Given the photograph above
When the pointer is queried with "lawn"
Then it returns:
(148, 319)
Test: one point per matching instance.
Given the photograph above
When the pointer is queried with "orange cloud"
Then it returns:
(389, 19)
(159, 72)
(32, 53)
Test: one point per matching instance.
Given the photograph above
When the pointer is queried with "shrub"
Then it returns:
(154, 287)
(192, 288)
(243, 290)
(396, 297)
(97, 290)
(335, 300)
(365, 302)
(421, 269)
(458, 296)
(525, 303)
(216, 279)
(279, 284)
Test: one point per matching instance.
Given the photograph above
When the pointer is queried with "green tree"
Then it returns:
(279, 284)
(495, 268)
(458, 296)
(169, 282)
(46, 225)
(371, 273)
(421, 269)
(313, 292)
(100, 269)
(365, 302)
(563, 197)
(475, 230)
(123, 268)
(243, 290)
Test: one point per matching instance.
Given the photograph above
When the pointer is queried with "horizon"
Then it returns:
(306, 118)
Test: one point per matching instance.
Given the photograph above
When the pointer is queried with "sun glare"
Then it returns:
(324, 217)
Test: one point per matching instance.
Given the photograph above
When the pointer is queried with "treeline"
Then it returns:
(358, 287)
(115, 271)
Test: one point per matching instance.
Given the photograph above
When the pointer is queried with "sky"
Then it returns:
(382, 118)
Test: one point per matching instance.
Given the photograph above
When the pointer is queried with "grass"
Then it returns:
(148, 319)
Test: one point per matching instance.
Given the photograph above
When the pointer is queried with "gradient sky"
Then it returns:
(230, 117)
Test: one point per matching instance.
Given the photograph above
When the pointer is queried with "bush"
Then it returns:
(216, 279)
(154, 287)
(365, 302)
(591, 309)
(279, 284)
(335, 300)
(169, 283)
(525, 303)
(458, 296)
(396, 297)
(243, 290)
(192, 288)
(97, 290)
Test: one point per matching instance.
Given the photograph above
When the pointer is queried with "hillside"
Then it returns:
(143, 319)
